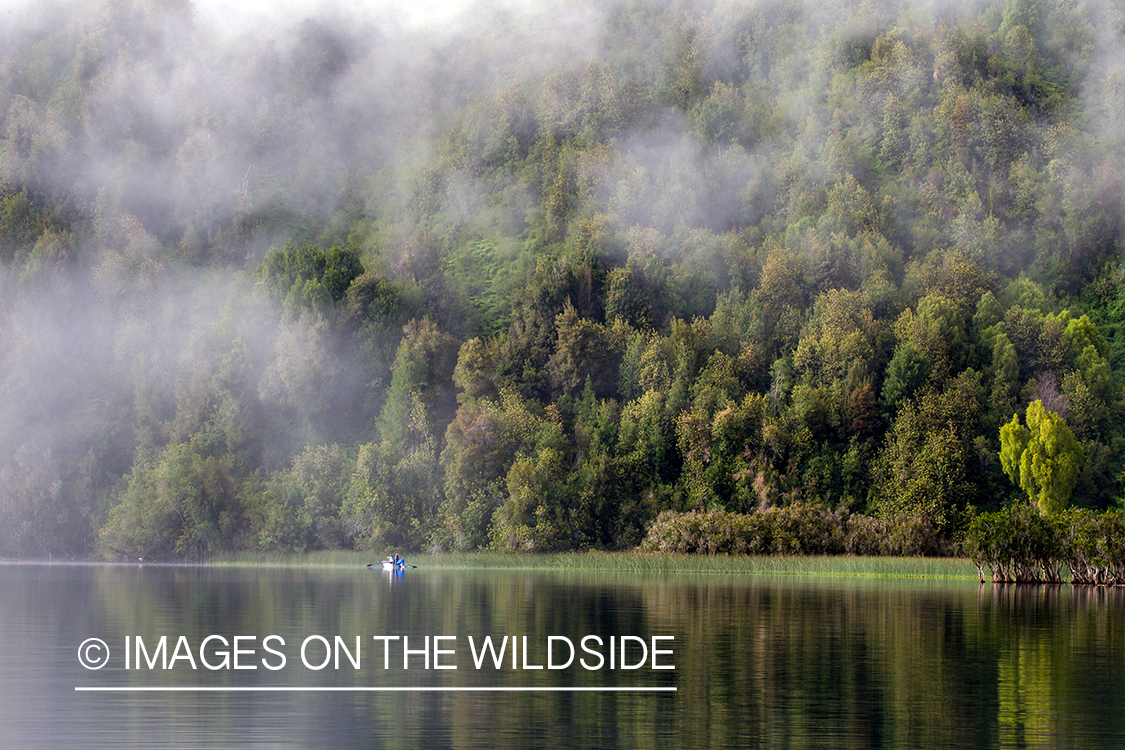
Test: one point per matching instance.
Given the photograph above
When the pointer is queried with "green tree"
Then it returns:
(926, 467)
(1043, 458)
(482, 442)
(906, 373)
(309, 275)
(629, 296)
(780, 289)
(17, 223)
(842, 334)
(534, 517)
(586, 352)
(180, 503)
(394, 495)
(320, 474)
(1005, 373)
(422, 371)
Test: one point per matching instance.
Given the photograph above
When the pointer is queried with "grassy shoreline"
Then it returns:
(636, 562)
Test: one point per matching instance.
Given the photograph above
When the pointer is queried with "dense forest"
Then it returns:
(526, 278)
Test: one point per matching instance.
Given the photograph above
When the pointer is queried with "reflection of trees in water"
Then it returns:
(817, 663)
(760, 661)
(1058, 649)
(900, 664)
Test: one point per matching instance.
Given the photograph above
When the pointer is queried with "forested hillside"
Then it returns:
(529, 277)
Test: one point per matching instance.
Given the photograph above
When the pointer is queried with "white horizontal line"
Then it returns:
(294, 689)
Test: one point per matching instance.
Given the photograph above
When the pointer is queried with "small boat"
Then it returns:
(394, 564)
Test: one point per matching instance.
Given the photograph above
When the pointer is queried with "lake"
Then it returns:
(333, 657)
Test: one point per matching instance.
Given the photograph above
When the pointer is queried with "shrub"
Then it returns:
(1094, 546)
(1022, 545)
(792, 530)
(1017, 545)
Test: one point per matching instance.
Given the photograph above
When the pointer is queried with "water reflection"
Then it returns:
(760, 662)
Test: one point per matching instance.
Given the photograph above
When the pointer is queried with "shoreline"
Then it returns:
(842, 566)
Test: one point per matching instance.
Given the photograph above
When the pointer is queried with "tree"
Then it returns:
(180, 503)
(842, 334)
(319, 475)
(482, 443)
(309, 275)
(394, 495)
(422, 372)
(534, 517)
(906, 373)
(1043, 458)
(629, 296)
(780, 287)
(586, 352)
(17, 223)
(926, 466)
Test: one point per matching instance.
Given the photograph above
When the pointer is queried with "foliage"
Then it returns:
(1018, 545)
(792, 530)
(180, 504)
(816, 278)
(926, 467)
(310, 276)
(1021, 545)
(1043, 457)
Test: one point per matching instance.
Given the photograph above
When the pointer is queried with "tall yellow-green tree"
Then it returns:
(1043, 458)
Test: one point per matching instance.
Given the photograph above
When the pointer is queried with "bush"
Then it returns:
(1094, 546)
(1021, 545)
(792, 530)
(1017, 545)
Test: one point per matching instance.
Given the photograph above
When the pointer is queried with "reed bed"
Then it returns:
(639, 562)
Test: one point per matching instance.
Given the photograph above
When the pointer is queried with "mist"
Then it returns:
(265, 271)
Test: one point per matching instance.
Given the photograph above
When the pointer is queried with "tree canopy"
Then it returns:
(1043, 458)
(340, 283)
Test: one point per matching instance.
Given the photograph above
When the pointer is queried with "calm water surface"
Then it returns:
(759, 661)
